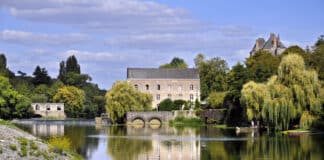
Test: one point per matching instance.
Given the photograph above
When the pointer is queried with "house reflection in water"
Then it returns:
(45, 130)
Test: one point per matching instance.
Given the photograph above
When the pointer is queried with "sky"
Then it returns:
(107, 36)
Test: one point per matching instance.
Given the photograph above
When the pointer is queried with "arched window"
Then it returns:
(147, 87)
(59, 108)
(37, 107)
(158, 97)
(136, 86)
(158, 87)
(48, 107)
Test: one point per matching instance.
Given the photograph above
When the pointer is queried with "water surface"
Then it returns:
(136, 143)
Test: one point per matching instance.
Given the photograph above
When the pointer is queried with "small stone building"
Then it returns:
(273, 45)
(55, 110)
(169, 83)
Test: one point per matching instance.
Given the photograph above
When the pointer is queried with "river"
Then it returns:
(179, 143)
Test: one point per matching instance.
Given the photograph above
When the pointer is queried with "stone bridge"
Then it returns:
(146, 117)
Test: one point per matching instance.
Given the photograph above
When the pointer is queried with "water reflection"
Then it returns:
(164, 143)
(44, 130)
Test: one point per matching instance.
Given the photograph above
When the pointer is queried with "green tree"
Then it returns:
(212, 75)
(253, 98)
(123, 97)
(297, 50)
(216, 99)
(62, 72)
(291, 95)
(72, 65)
(175, 63)
(317, 57)
(166, 105)
(12, 104)
(4, 71)
(73, 98)
(262, 65)
(235, 79)
(41, 76)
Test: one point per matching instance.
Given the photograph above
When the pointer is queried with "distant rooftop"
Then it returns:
(162, 73)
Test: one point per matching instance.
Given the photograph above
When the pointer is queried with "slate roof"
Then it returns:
(157, 73)
(269, 44)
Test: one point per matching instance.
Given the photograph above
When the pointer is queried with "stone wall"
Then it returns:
(185, 89)
(163, 116)
(54, 110)
(213, 115)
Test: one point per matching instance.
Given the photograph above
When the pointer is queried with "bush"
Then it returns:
(23, 141)
(178, 104)
(23, 151)
(59, 144)
(186, 121)
(33, 146)
(13, 147)
(166, 105)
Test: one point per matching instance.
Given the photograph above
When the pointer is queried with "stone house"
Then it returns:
(165, 83)
(273, 45)
(55, 110)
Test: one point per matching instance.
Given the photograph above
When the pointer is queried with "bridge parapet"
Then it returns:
(162, 116)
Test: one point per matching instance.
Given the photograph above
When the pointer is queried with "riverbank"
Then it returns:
(16, 144)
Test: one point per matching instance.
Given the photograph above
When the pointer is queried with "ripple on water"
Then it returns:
(171, 138)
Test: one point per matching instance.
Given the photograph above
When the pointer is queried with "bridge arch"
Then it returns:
(149, 117)
(138, 119)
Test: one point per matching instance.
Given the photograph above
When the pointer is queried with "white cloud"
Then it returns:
(117, 15)
(94, 57)
(30, 38)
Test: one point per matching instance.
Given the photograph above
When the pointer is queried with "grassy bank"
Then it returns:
(186, 122)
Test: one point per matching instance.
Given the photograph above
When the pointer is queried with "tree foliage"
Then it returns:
(317, 58)
(166, 105)
(123, 97)
(12, 104)
(41, 76)
(73, 98)
(72, 65)
(262, 65)
(292, 94)
(216, 99)
(175, 63)
(212, 74)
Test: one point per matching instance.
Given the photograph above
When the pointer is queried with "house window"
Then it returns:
(37, 107)
(191, 87)
(147, 87)
(48, 108)
(169, 96)
(191, 97)
(158, 87)
(158, 97)
(136, 86)
(59, 108)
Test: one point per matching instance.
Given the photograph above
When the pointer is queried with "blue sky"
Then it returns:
(107, 36)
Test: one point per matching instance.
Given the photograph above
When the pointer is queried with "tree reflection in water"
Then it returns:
(126, 148)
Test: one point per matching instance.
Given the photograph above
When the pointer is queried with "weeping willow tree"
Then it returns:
(253, 96)
(291, 95)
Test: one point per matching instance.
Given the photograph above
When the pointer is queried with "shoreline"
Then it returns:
(17, 144)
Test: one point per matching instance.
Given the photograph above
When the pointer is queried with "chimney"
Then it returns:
(257, 45)
(275, 41)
